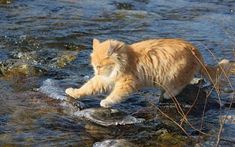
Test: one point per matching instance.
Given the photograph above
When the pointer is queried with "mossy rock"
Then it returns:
(65, 58)
(5, 1)
(172, 139)
(13, 68)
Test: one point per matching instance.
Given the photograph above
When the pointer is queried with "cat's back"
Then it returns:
(166, 61)
(172, 49)
(175, 44)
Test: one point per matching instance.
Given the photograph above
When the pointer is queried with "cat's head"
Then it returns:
(109, 57)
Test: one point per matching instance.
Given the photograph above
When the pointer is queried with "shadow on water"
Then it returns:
(45, 47)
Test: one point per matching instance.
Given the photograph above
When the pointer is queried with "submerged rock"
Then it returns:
(51, 89)
(65, 57)
(14, 67)
(171, 139)
(124, 5)
(107, 117)
(192, 100)
(5, 1)
(114, 143)
(72, 107)
(34, 62)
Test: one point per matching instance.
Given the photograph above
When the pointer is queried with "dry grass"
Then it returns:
(184, 116)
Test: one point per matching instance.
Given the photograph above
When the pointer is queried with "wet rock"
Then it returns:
(146, 113)
(123, 5)
(72, 107)
(192, 100)
(114, 143)
(65, 57)
(196, 81)
(5, 1)
(51, 88)
(35, 62)
(228, 90)
(55, 58)
(172, 139)
(74, 47)
(27, 43)
(12, 67)
(24, 56)
(107, 117)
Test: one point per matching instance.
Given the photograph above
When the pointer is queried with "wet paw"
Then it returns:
(72, 92)
(106, 103)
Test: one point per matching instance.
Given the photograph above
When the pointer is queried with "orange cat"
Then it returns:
(169, 64)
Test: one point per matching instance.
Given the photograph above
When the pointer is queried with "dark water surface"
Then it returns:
(45, 47)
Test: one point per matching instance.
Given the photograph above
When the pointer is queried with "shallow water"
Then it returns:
(43, 42)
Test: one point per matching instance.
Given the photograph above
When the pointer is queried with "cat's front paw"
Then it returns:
(72, 92)
(106, 103)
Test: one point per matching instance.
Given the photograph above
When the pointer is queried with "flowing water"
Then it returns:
(45, 47)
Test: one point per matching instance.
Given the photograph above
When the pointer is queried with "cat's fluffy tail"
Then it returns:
(219, 73)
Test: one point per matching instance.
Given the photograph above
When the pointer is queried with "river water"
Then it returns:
(45, 47)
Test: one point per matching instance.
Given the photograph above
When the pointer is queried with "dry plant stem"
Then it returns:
(223, 120)
(226, 76)
(194, 102)
(180, 111)
(172, 120)
(210, 78)
(230, 84)
(203, 112)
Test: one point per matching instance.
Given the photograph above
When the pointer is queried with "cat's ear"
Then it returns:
(95, 43)
(115, 47)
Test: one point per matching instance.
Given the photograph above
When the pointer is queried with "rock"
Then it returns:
(14, 67)
(107, 117)
(74, 47)
(196, 81)
(114, 143)
(51, 88)
(34, 62)
(171, 139)
(192, 98)
(123, 5)
(72, 107)
(65, 57)
(5, 1)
